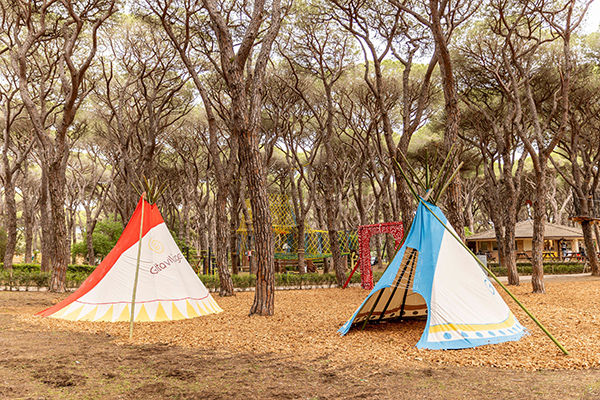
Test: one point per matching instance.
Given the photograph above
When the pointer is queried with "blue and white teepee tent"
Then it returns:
(433, 274)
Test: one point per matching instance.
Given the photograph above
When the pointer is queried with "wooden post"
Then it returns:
(137, 269)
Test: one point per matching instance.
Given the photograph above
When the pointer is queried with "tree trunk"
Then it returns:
(264, 296)
(590, 251)
(249, 239)
(501, 244)
(235, 255)
(28, 221)
(10, 206)
(597, 234)
(469, 217)
(319, 212)
(539, 219)
(202, 225)
(45, 216)
(452, 118)
(405, 199)
(334, 242)
(60, 251)
(388, 239)
(301, 248)
(73, 237)
(510, 260)
(226, 283)
(28, 213)
(360, 204)
(10, 220)
(89, 232)
(233, 235)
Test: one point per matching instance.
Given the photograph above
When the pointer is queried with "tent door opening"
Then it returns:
(398, 301)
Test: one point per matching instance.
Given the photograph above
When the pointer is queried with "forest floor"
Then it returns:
(296, 354)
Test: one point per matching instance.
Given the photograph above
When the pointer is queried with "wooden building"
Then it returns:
(561, 242)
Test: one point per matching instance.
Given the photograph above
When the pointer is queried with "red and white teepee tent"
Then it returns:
(167, 287)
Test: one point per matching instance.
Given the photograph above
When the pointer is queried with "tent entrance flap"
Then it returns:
(397, 301)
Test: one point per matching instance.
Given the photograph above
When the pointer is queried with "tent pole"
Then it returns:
(408, 182)
(410, 260)
(398, 246)
(412, 268)
(372, 309)
(538, 323)
(137, 270)
(381, 293)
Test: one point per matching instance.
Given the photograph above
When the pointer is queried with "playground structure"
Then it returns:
(285, 234)
(396, 229)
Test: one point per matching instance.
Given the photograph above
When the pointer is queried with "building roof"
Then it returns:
(524, 230)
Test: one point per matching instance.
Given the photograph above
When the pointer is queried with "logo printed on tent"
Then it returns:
(156, 246)
(173, 258)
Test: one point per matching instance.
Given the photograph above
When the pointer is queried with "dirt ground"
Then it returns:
(295, 354)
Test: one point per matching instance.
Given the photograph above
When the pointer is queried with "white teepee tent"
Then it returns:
(434, 275)
(167, 289)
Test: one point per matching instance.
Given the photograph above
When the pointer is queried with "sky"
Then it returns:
(592, 21)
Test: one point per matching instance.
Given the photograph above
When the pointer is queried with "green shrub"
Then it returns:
(210, 281)
(244, 281)
(104, 238)
(81, 268)
(30, 267)
(24, 278)
(75, 279)
(41, 279)
(549, 268)
(26, 267)
(241, 281)
(5, 278)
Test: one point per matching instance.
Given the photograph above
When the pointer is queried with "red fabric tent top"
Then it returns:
(129, 237)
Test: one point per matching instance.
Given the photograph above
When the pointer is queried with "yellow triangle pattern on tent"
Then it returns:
(176, 313)
(204, 306)
(208, 306)
(191, 312)
(90, 316)
(125, 314)
(142, 315)
(108, 316)
(161, 314)
(72, 316)
(212, 306)
(59, 313)
(190, 309)
(216, 306)
(198, 306)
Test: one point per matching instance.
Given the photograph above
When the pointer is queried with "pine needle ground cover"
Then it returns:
(296, 353)
(305, 325)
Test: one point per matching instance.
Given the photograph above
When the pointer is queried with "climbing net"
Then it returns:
(285, 233)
